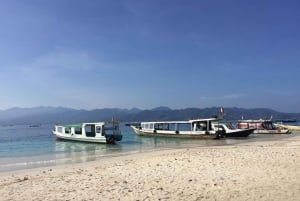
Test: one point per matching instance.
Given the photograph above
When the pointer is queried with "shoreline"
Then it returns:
(17, 163)
(262, 170)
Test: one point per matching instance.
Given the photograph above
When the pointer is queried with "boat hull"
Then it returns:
(80, 139)
(239, 133)
(174, 134)
(277, 131)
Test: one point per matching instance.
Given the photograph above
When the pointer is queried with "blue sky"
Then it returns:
(146, 53)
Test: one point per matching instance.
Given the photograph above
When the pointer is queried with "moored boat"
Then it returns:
(262, 126)
(197, 128)
(99, 132)
(231, 131)
(286, 126)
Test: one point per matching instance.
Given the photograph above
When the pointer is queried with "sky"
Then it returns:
(149, 53)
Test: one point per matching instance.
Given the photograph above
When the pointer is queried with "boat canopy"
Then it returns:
(254, 121)
(72, 125)
(180, 122)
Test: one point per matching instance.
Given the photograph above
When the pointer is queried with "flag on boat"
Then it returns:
(222, 110)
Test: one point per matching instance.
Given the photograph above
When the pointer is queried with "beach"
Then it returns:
(262, 170)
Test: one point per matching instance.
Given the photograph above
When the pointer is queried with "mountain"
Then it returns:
(53, 115)
(193, 113)
(60, 115)
(25, 112)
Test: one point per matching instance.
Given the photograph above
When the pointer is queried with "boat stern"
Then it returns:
(112, 138)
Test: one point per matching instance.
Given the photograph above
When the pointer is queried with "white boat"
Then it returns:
(197, 128)
(231, 131)
(100, 132)
(262, 126)
(286, 126)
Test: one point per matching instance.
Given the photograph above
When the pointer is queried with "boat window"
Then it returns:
(59, 129)
(98, 129)
(230, 126)
(67, 130)
(219, 127)
(268, 125)
(78, 130)
(201, 126)
(184, 127)
(151, 126)
(173, 127)
(146, 126)
(90, 130)
(162, 126)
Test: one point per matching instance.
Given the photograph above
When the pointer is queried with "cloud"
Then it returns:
(232, 96)
(61, 63)
(75, 60)
(223, 97)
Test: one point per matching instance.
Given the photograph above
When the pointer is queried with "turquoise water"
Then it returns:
(23, 147)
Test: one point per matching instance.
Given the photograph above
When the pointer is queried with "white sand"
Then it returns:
(249, 171)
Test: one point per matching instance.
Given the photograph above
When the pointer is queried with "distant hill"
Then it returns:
(53, 115)
(192, 113)
(60, 115)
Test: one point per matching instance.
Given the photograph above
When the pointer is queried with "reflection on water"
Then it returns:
(82, 152)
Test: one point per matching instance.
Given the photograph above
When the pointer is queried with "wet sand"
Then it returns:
(263, 170)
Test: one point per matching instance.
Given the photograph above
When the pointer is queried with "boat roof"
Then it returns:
(209, 119)
(81, 124)
(180, 122)
(255, 120)
(222, 122)
(72, 125)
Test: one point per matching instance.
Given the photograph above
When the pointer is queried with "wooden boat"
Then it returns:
(286, 126)
(231, 131)
(262, 126)
(100, 132)
(197, 128)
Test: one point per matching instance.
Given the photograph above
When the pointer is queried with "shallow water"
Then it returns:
(23, 147)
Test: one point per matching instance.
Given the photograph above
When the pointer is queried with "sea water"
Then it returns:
(24, 147)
